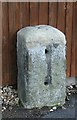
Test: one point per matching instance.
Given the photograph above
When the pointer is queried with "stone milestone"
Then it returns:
(41, 61)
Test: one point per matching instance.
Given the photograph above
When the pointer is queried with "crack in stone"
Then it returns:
(48, 52)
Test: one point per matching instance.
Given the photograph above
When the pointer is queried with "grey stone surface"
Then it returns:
(41, 66)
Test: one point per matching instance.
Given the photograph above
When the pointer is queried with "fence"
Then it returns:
(17, 15)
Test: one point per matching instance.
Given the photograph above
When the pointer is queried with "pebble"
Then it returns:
(70, 89)
(51, 110)
(10, 108)
(4, 108)
(54, 108)
(0, 87)
(1, 91)
(9, 97)
(2, 97)
(4, 100)
(63, 107)
(71, 86)
(67, 98)
(16, 100)
(69, 93)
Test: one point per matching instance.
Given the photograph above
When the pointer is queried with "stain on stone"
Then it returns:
(27, 66)
(48, 79)
(38, 27)
(45, 83)
(55, 45)
(48, 52)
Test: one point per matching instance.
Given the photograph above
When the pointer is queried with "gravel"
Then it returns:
(9, 97)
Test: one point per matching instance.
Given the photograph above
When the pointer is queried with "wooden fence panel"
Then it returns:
(13, 25)
(75, 8)
(24, 14)
(5, 41)
(43, 13)
(74, 43)
(0, 43)
(61, 16)
(34, 13)
(69, 25)
(17, 15)
(53, 14)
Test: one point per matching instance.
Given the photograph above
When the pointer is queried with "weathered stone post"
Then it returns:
(41, 66)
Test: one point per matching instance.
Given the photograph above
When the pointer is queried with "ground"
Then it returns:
(68, 110)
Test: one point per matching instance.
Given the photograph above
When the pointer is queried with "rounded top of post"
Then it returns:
(42, 33)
